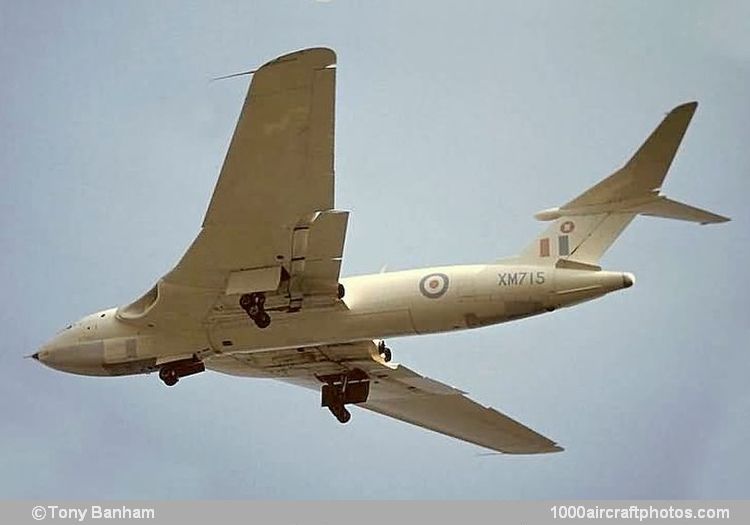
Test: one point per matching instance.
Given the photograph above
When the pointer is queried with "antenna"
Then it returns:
(235, 75)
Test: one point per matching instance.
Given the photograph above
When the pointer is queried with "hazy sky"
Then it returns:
(456, 121)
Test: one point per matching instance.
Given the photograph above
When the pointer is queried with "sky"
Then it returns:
(456, 121)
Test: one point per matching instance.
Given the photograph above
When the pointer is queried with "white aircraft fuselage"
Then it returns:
(382, 305)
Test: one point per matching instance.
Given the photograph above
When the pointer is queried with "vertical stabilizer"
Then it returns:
(584, 228)
(582, 238)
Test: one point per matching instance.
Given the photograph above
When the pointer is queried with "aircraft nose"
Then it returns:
(81, 358)
(628, 280)
(36, 356)
(42, 355)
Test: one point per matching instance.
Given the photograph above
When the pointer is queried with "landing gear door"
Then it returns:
(254, 280)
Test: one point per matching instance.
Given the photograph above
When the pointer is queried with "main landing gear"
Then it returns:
(170, 373)
(253, 304)
(343, 389)
(385, 352)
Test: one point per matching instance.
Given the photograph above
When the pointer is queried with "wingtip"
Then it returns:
(718, 220)
(554, 448)
(546, 448)
(686, 106)
(324, 55)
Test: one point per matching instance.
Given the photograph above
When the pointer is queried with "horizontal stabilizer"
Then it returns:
(669, 209)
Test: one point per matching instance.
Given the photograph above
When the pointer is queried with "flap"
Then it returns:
(327, 235)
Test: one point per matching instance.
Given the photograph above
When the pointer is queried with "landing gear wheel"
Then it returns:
(344, 416)
(263, 320)
(341, 413)
(252, 303)
(254, 306)
(169, 376)
(384, 352)
(246, 301)
(350, 387)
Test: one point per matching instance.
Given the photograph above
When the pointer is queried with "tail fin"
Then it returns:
(584, 228)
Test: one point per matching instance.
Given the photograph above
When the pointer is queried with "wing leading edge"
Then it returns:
(394, 391)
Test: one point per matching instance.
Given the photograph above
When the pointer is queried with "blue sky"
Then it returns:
(456, 121)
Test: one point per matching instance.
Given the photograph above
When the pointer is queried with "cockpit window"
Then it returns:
(66, 328)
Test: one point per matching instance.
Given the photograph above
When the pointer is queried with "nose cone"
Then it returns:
(628, 280)
(42, 355)
(84, 359)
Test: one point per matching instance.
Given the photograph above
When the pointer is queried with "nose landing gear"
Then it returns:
(254, 306)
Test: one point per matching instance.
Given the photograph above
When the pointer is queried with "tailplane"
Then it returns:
(584, 228)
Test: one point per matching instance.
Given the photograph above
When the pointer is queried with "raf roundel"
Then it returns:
(567, 227)
(434, 285)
